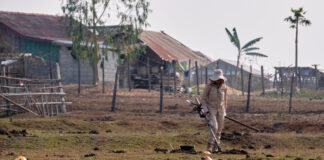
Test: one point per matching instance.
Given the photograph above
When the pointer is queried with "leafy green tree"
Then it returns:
(85, 17)
(247, 49)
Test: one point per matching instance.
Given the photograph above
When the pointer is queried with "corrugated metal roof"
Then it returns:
(169, 48)
(246, 68)
(35, 26)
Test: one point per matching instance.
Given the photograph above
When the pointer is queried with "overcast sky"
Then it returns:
(201, 26)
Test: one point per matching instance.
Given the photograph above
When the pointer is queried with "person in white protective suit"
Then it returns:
(214, 103)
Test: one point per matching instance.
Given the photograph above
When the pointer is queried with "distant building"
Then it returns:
(306, 76)
(229, 67)
(45, 36)
(161, 50)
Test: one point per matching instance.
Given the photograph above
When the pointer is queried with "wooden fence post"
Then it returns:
(197, 77)
(148, 73)
(5, 82)
(128, 74)
(242, 80)
(281, 81)
(189, 74)
(161, 89)
(201, 75)
(113, 102)
(217, 64)
(103, 75)
(174, 62)
(206, 76)
(262, 79)
(291, 92)
(58, 72)
(79, 76)
(275, 79)
(25, 66)
(248, 97)
(316, 76)
(169, 74)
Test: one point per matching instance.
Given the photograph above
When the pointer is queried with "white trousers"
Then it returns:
(216, 120)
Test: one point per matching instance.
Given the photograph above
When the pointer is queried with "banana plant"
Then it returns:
(247, 49)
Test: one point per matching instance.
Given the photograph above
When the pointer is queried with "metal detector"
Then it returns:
(202, 115)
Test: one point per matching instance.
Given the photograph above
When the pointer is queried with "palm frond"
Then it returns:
(256, 54)
(290, 19)
(252, 42)
(232, 39)
(251, 49)
(305, 22)
(235, 35)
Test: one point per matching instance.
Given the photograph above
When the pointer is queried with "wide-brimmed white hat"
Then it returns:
(218, 74)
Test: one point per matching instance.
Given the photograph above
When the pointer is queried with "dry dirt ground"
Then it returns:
(136, 130)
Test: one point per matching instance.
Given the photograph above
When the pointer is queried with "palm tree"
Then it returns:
(297, 18)
(247, 49)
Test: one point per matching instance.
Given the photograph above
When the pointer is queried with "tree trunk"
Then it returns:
(95, 50)
(296, 52)
(242, 80)
(238, 62)
(103, 75)
(79, 76)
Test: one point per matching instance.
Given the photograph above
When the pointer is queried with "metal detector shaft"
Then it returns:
(208, 124)
(213, 134)
(238, 122)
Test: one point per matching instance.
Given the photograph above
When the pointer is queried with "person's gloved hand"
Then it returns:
(205, 112)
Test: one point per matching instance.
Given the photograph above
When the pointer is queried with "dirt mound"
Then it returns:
(185, 151)
(157, 150)
(301, 126)
(14, 132)
(235, 151)
(169, 124)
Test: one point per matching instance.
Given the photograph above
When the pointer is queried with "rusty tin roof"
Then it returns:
(169, 48)
(35, 26)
